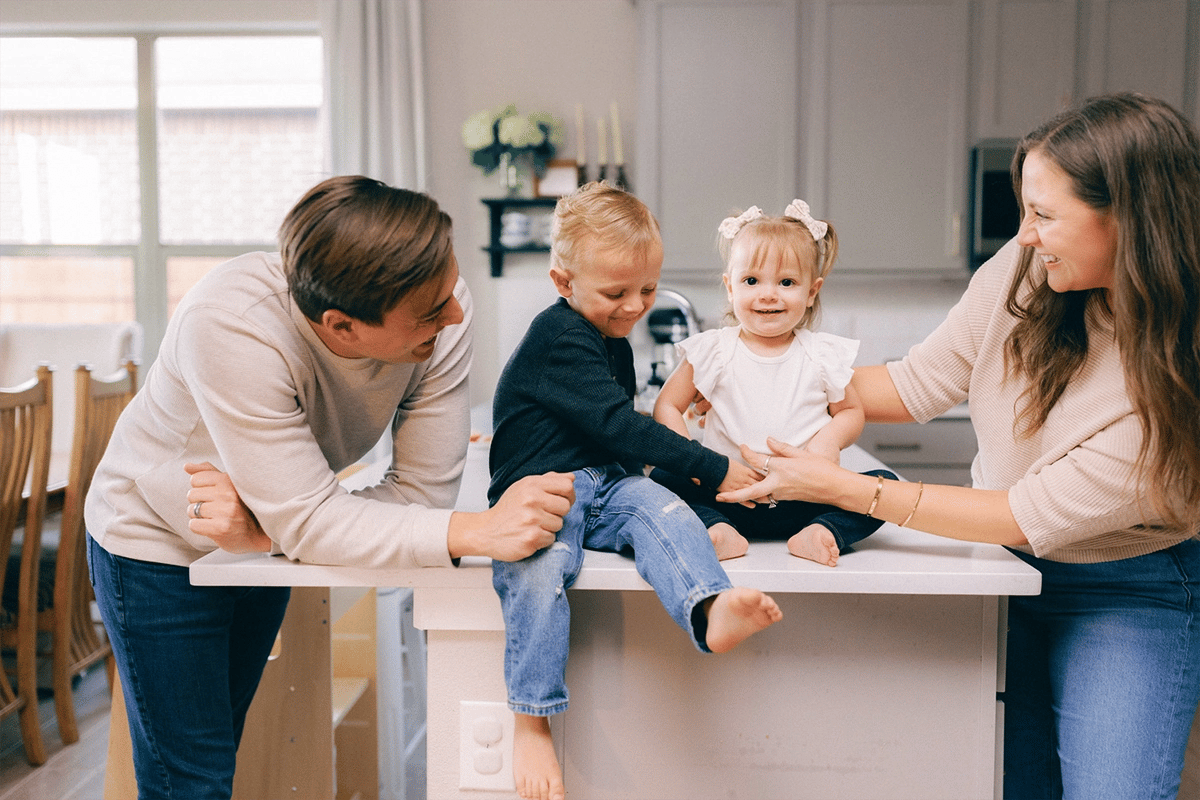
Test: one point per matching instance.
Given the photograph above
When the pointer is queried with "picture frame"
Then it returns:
(560, 179)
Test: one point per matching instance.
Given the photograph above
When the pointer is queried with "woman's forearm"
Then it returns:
(955, 512)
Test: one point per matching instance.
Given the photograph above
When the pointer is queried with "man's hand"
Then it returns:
(223, 517)
(523, 521)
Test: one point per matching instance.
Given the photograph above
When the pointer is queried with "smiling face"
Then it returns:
(1076, 243)
(612, 288)
(408, 332)
(769, 289)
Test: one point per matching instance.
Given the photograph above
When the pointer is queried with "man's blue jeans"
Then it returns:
(617, 512)
(1103, 678)
(190, 658)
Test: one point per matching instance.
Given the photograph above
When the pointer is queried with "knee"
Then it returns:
(545, 573)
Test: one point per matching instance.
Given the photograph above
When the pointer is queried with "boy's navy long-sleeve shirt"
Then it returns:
(565, 401)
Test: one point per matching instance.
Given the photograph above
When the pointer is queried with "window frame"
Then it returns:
(149, 254)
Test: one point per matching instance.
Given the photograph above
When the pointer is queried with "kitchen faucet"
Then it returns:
(685, 305)
(667, 327)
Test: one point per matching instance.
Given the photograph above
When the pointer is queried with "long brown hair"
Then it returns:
(1137, 159)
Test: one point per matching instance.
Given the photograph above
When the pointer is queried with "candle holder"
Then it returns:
(580, 173)
(621, 181)
(602, 175)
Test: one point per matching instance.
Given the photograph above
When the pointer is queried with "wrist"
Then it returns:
(459, 534)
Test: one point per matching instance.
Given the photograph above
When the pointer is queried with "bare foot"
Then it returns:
(727, 541)
(535, 766)
(815, 543)
(737, 613)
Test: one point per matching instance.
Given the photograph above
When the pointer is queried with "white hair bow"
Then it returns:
(798, 210)
(731, 225)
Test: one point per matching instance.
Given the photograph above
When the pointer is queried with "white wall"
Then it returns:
(543, 55)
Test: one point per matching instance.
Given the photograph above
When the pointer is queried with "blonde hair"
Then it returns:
(792, 237)
(600, 216)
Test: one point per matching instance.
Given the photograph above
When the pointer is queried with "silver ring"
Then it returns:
(767, 466)
(771, 501)
(196, 509)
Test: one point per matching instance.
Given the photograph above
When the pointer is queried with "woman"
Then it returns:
(1078, 347)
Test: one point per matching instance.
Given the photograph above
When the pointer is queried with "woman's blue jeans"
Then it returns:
(617, 512)
(1103, 678)
(190, 658)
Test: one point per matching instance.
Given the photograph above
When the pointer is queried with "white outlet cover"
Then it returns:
(485, 746)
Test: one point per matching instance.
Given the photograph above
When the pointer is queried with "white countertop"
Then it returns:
(893, 560)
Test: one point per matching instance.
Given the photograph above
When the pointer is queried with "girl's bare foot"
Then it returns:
(815, 543)
(737, 613)
(727, 541)
(535, 766)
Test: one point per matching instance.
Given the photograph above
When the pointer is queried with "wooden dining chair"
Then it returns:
(25, 430)
(77, 638)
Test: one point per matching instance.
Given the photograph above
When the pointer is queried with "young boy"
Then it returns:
(564, 403)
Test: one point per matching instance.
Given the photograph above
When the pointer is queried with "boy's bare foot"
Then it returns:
(815, 543)
(727, 541)
(737, 613)
(535, 766)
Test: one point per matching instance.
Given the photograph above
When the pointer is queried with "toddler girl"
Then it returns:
(771, 375)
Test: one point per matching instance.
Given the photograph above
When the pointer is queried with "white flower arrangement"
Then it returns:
(490, 134)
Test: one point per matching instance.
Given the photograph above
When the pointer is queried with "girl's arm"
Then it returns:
(842, 430)
(675, 397)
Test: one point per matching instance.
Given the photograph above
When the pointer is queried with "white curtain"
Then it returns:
(376, 106)
(375, 89)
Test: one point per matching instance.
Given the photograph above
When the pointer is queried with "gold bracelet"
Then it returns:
(875, 500)
(920, 491)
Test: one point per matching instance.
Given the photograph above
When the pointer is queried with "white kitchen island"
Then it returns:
(880, 682)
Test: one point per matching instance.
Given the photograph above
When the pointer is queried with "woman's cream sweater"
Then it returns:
(1072, 483)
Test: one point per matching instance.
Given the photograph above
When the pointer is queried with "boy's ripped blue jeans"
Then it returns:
(618, 512)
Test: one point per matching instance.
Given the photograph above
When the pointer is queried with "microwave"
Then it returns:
(995, 214)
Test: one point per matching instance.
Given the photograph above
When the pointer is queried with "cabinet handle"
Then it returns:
(909, 447)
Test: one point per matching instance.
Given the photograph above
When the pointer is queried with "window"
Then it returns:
(111, 210)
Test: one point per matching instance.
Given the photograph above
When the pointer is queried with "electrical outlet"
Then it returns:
(485, 746)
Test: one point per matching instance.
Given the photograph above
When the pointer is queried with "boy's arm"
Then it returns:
(575, 384)
(675, 397)
(842, 430)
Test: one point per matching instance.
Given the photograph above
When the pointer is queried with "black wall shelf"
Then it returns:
(496, 208)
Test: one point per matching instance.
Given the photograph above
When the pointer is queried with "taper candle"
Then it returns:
(580, 151)
(603, 158)
(618, 153)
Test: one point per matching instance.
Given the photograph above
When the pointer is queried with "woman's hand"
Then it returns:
(216, 510)
(791, 474)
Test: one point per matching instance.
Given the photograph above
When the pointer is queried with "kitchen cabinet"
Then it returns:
(1141, 45)
(1035, 57)
(716, 119)
(940, 451)
(868, 109)
(887, 147)
(1025, 60)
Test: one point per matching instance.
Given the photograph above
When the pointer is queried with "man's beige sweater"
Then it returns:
(243, 382)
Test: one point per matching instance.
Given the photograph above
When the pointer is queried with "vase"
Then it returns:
(510, 176)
